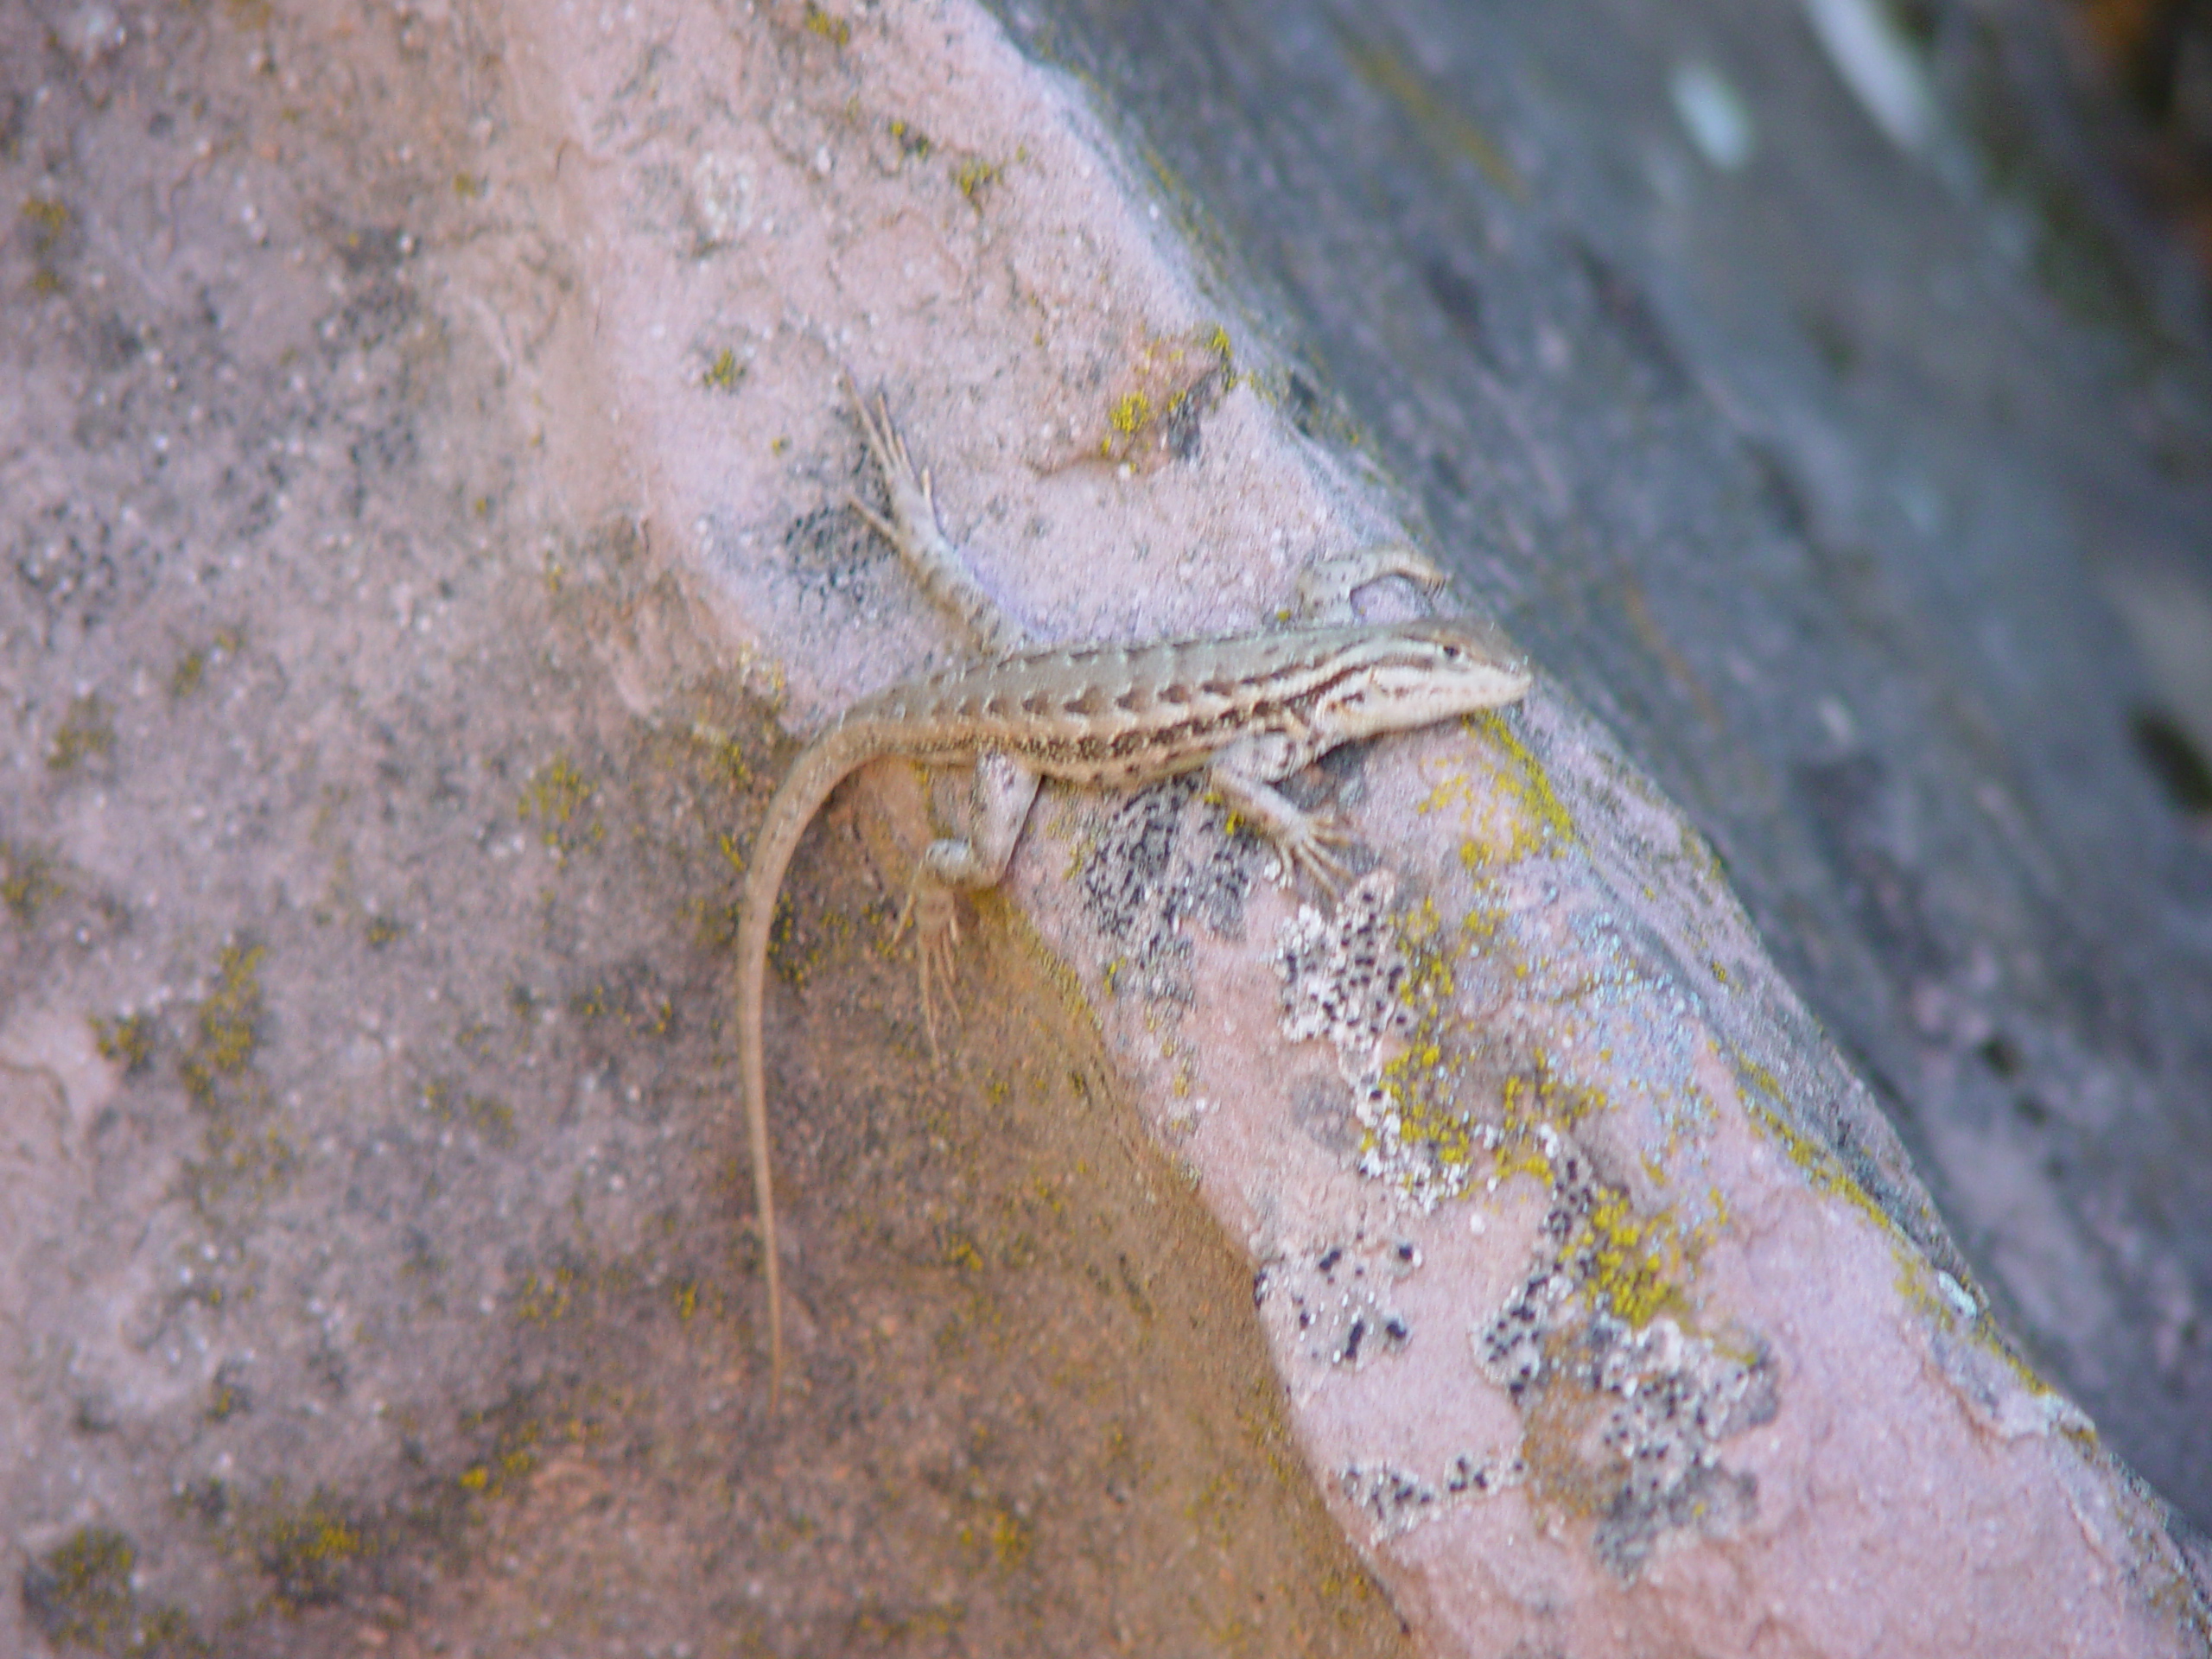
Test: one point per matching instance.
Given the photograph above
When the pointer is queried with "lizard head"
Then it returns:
(1407, 675)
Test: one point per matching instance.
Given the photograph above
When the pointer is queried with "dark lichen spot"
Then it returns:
(227, 1394)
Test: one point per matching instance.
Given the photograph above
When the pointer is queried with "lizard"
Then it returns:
(1247, 710)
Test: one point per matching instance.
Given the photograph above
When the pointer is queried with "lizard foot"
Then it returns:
(935, 916)
(1306, 845)
(912, 501)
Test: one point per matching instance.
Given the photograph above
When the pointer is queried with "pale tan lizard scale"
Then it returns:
(1249, 710)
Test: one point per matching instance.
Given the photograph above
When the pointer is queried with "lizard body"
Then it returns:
(1250, 709)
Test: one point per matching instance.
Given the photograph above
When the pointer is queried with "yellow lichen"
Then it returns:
(726, 844)
(87, 730)
(961, 1253)
(306, 1549)
(544, 1301)
(836, 30)
(491, 1118)
(724, 372)
(555, 798)
(128, 1041)
(1750, 1071)
(28, 883)
(1916, 1282)
(1539, 1096)
(1130, 414)
(47, 218)
(499, 1469)
(1636, 1262)
(190, 670)
(81, 1590)
(1158, 384)
(1820, 1163)
(555, 792)
(973, 174)
(1543, 817)
(224, 1037)
(1011, 1536)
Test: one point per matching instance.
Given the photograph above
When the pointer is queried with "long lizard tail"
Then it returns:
(751, 971)
(831, 758)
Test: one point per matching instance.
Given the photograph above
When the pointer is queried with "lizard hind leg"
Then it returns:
(1003, 790)
(934, 914)
(913, 503)
(1326, 586)
(910, 523)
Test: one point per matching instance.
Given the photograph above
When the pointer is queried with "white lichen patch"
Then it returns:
(1398, 1499)
(1342, 975)
(1350, 978)
(1625, 1406)
(1624, 1409)
(1331, 1302)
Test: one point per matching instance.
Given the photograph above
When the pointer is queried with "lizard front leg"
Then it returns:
(1000, 800)
(1246, 772)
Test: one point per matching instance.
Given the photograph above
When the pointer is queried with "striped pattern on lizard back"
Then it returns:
(1118, 716)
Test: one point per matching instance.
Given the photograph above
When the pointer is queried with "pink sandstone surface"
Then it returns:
(1586, 1336)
